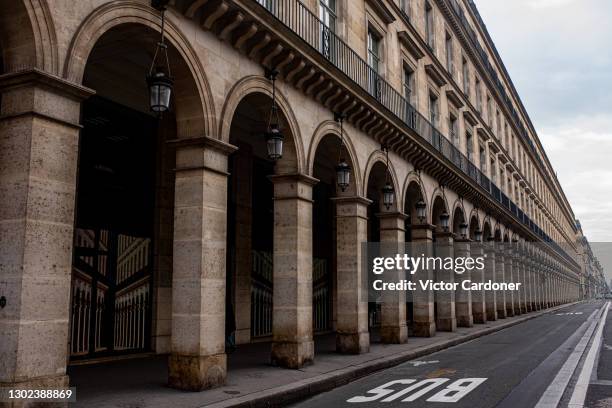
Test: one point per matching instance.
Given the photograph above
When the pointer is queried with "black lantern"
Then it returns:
(387, 191)
(343, 174)
(388, 195)
(343, 170)
(463, 227)
(420, 210)
(478, 234)
(274, 135)
(159, 79)
(444, 217)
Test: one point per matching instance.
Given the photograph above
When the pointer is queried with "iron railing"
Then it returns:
(301, 21)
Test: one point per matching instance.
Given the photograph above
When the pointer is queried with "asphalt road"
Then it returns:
(510, 368)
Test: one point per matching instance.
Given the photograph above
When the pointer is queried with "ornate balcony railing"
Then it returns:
(299, 19)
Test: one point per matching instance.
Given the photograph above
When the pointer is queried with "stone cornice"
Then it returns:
(382, 11)
(410, 44)
(39, 78)
(435, 75)
(204, 141)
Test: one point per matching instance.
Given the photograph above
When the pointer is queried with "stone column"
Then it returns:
(500, 276)
(445, 299)
(531, 296)
(393, 327)
(525, 307)
(490, 295)
(39, 139)
(352, 334)
(479, 310)
(292, 343)
(197, 360)
(463, 298)
(509, 276)
(517, 274)
(423, 299)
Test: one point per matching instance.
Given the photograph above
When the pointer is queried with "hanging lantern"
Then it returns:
(159, 79)
(343, 170)
(387, 191)
(421, 210)
(388, 195)
(343, 174)
(463, 227)
(274, 142)
(444, 217)
(478, 235)
(274, 135)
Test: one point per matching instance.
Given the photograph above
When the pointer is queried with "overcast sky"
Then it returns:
(559, 56)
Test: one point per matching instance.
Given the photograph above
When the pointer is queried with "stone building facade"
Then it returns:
(122, 232)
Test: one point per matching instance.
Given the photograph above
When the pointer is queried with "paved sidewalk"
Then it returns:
(251, 380)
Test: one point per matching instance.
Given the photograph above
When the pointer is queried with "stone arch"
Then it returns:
(378, 156)
(413, 190)
(27, 36)
(259, 84)
(195, 113)
(487, 231)
(458, 216)
(474, 224)
(331, 128)
(436, 208)
(497, 233)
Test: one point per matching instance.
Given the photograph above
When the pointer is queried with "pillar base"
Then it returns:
(491, 315)
(353, 343)
(501, 313)
(465, 321)
(394, 334)
(479, 317)
(464, 314)
(509, 312)
(196, 373)
(446, 324)
(424, 329)
(292, 354)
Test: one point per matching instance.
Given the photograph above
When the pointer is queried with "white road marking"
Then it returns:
(555, 390)
(420, 363)
(569, 313)
(582, 385)
(451, 393)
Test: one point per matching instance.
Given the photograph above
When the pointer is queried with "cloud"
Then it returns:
(558, 55)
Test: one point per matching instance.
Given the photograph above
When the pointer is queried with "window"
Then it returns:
(408, 83)
(469, 144)
(374, 62)
(498, 121)
(465, 77)
(327, 14)
(433, 109)
(478, 96)
(482, 157)
(405, 7)
(429, 26)
(266, 3)
(452, 128)
(490, 111)
(449, 54)
(502, 180)
(493, 171)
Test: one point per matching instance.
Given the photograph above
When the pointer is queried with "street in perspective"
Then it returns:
(560, 359)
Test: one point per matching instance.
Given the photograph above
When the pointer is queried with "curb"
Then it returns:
(299, 390)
